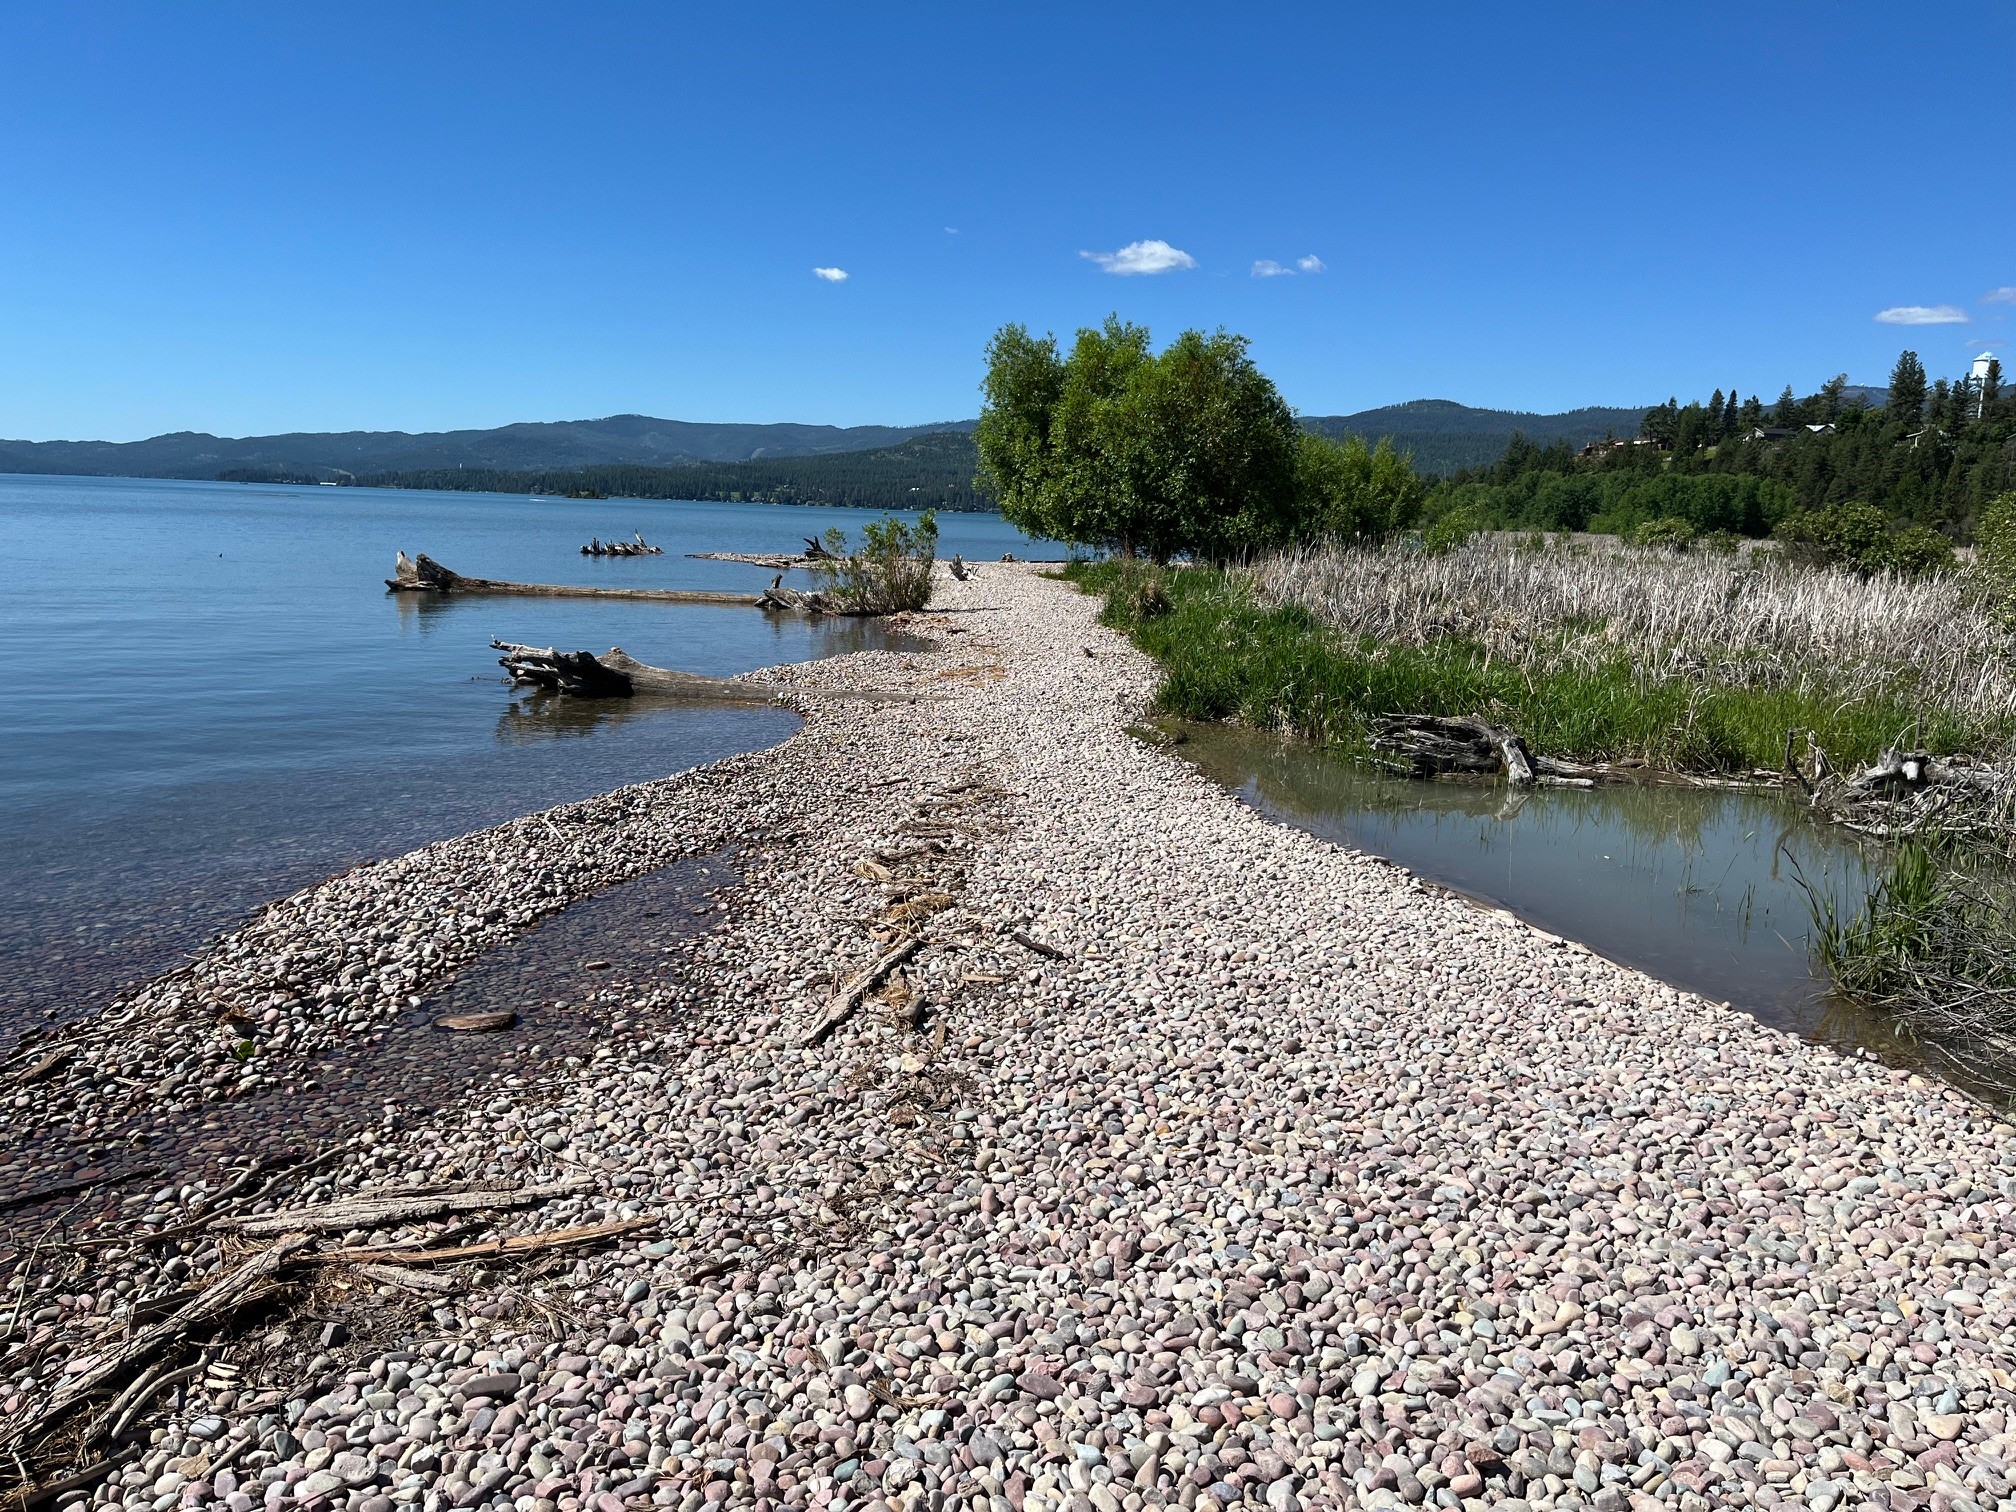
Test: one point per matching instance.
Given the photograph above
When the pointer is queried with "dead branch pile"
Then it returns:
(635, 546)
(1909, 793)
(123, 1377)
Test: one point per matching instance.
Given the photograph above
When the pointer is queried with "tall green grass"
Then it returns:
(1226, 657)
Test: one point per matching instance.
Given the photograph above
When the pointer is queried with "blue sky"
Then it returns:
(261, 218)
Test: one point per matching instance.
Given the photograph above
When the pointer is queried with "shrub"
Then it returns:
(1719, 543)
(892, 570)
(1671, 533)
(1348, 490)
(1859, 538)
(1995, 550)
(1451, 529)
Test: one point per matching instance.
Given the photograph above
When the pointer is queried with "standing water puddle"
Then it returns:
(1704, 889)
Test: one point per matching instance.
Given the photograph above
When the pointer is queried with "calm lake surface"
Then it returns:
(212, 700)
(1699, 888)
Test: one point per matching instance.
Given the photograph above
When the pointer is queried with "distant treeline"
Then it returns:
(1930, 455)
(930, 472)
(267, 475)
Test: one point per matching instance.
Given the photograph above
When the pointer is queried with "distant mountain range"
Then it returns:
(1441, 435)
(530, 446)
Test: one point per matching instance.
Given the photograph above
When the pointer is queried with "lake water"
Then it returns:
(212, 700)
(1704, 889)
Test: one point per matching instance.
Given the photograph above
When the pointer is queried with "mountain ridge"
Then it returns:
(1442, 434)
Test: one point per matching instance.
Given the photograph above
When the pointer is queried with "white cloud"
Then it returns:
(1923, 315)
(1266, 267)
(951, 230)
(2004, 295)
(831, 275)
(1142, 257)
(1310, 264)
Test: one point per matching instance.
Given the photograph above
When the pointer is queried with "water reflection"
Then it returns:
(540, 715)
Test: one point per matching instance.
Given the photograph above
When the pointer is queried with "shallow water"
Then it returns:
(1704, 889)
(212, 700)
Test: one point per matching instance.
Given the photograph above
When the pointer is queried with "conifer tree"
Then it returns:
(1907, 391)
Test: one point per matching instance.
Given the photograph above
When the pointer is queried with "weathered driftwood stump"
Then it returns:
(616, 674)
(784, 600)
(1432, 745)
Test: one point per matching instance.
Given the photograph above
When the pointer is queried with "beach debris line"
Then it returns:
(635, 546)
(617, 674)
(265, 1275)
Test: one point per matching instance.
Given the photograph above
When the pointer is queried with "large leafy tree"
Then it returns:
(1191, 450)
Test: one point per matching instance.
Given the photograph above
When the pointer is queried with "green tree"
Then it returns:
(1991, 381)
(1351, 491)
(1211, 451)
(1025, 379)
(1192, 450)
(1907, 391)
(1830, 397)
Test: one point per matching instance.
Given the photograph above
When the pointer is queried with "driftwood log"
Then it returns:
(422, 574)
(1430, 745)
(378, 1209)
(617, 674)
(218, 1300)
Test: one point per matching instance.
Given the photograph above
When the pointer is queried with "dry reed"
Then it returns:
(1750, 621)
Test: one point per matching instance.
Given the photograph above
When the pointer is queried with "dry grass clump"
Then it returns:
(1750, 621)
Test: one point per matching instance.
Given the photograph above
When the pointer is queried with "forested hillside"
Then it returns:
(1930, 456)
(1443, 437)
(930, 472)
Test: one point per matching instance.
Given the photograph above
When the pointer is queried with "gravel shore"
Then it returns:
(1189, 1160)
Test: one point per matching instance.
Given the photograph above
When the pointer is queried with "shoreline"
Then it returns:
(1286, 1180)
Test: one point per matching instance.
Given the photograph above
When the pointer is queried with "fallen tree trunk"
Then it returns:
(617, 674)
(422, 574)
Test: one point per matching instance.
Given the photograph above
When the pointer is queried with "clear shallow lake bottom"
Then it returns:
(212, 700)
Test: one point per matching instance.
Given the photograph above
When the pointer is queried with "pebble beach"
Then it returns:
(1177, 1158)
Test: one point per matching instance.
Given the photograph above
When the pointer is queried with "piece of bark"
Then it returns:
(848, 998)
(1030, 942)
(377, 1209)
(412, 1280)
